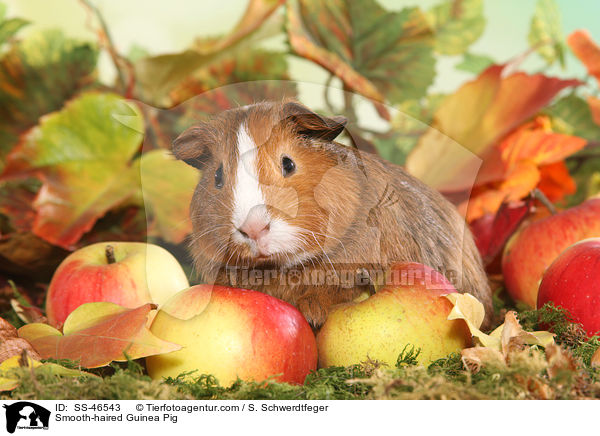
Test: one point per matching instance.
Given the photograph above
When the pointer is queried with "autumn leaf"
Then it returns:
(16, 204)
(11, 344)
(236, 68)
(37, 76)
(545, 33)
(82, 154)
(556, 181)
(457, 24)
(96, 334)
(586, 50)
(167, 187)
(523, 154)
(492, 230)
(477, 117)
(380, 54)
(497, 347)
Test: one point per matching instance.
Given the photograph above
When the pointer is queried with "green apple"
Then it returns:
(409, 310)
(530, 251)
(126, 273)
(231, 333)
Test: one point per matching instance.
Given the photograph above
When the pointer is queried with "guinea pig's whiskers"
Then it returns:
(328, 259)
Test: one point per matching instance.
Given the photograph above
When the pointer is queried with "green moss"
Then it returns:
(526, 377)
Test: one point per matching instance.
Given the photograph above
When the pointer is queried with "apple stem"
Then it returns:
(539, 195)
(109, 251)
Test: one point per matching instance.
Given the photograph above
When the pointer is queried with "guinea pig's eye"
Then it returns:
(287, 166)
(219, 177)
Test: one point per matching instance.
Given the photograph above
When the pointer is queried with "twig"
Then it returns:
(539, 195)
(125, 81)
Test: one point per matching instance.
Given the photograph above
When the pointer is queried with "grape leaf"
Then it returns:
(379, 54)
(96, 334)
(545, 33)
(238, 67)
(82, 154)
(474, 63)
(8, 28)
(36, 77)
(457, 24)
(477, 116)
(572, 115)
(167, 188)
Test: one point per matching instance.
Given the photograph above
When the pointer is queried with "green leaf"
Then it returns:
(546, 32)
(10, 27)
(457, 24)
(82, 154)
(36, 77)
(474, 63)
(167, 188)
(379, 54)
(571, 115)
(238, 67)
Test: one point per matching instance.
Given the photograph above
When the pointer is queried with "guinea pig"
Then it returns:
(283, 209)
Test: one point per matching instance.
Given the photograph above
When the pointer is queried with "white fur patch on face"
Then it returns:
(246, 191)
(249, 204)
(283, 237)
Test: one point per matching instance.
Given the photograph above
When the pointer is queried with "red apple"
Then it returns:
(530, 251)
(410, 310)
(231, 333)
(573, 282)
(126, 273)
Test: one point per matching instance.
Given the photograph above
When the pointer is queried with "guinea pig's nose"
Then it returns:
(254, 229)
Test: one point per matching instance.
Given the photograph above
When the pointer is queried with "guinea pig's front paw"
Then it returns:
(312, 309)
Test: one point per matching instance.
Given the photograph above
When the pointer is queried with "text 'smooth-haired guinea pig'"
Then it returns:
(283, 209)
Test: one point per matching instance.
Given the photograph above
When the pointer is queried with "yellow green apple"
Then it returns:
(530, 251)
(231, 333)
(126, 273)
(410, 310)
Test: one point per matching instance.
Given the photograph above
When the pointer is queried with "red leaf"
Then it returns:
(492, 231)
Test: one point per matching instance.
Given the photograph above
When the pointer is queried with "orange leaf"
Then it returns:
(536, 142)
(586, 50)
(595, 108)
(476, 117)
(95, 334)
(556, 182)
(519, 182)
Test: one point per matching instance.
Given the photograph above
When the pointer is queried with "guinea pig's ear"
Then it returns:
(193, 147)
(313, 125)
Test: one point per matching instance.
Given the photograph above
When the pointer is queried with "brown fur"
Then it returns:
(358, 212)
